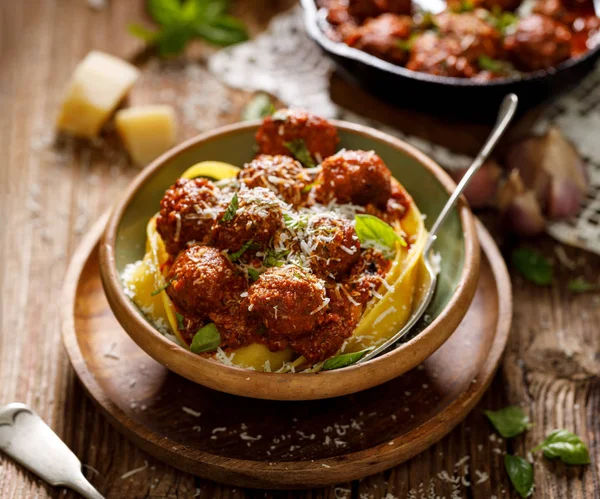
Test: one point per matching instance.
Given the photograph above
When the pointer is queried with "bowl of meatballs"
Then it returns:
(462, 57)
(265, 259)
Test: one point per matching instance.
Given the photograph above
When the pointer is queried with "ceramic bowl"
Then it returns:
(124, 241)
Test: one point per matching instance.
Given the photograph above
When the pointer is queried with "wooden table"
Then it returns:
(53, 190)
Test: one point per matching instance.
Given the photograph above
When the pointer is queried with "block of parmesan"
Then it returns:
(146, 131)
(97, 85)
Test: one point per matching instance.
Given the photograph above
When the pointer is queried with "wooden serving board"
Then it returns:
(267, 444)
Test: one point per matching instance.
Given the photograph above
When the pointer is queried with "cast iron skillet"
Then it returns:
(455, 97)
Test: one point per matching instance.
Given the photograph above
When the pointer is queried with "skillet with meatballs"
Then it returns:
(479, 39)
(303, 259)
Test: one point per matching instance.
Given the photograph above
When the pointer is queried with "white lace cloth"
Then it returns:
(285, 62)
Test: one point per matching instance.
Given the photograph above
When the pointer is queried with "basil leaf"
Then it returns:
(344, 360)
(231, 209)
(258, 108)
(224, 30)
(375, 233)
(209, 9)
(565, 445)
(274, 258)
(533, 266)
(206, 339)
(143, 33)
(300, 152)
(509, 422)
(580, 285)
(164, 11)
(520, 473)
(173, 39)
(238, 254)
(407, 44)
(179, 318)
(253, 273)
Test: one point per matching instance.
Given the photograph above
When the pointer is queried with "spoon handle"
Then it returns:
(505, 116)
(26, 438)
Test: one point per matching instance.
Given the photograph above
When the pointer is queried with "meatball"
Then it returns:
(382, 37)
(564, 11)
(538, 42)
(286, 125)
(281, 174)
(256, 220)
(440, 56)
(325, 341)
(477, 37)
(289, 300)
(367, 275)
(335, 245)
(359, 177)
(466, 5)
(203, 280)
(187, 212)
(371, 8)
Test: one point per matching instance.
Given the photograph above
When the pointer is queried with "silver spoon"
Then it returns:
(505, 115)
(28, 440)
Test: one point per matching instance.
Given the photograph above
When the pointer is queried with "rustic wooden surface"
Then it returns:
(52, 190)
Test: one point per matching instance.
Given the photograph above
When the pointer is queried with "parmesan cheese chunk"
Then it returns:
(146, 131)
(97, 85)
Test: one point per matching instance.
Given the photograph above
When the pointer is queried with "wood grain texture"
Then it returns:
(52, 191)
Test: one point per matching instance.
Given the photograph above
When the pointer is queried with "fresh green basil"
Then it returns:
(258, 108)
(533, 266)
(299, 150)
(344, 360)
(253, 274)
(580, 285)
(181, 22)
(231, 210)
(375, 233)
(238, 254)
(509, 422)
(494, 65)
(275, 258)
(179, 318)
(206, 339)
(520, 473)
(565, 445)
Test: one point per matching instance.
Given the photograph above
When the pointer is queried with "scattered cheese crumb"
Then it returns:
(134, 471)
(191, 412)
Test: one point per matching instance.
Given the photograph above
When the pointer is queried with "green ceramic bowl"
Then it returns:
(125, 236)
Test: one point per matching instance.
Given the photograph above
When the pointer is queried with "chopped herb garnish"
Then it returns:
(407, 44)
(533, 266)
(345, 359)
(253, 274)
(509, 422)
(231, 209)
(179, 318)
(299, 150)
(298, 275)
(206, 339)
(181, 22)
(565, 445)
(259, 107)
(580, 285)
(163, 287)
(238, 254)
(275, 258)
(495, 66)
(309, 187)
(502, 20)
(464, 6)
(520, 473)
(295, 223)
(375, 233)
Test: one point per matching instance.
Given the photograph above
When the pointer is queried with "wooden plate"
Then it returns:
(270, 444)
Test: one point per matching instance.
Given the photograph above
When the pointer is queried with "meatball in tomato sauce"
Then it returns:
(336, 247)
(254, 222)
(187, 212)
(538, 42)
(288, 125)
(358, 177)
(203, 280)
(382, 37)
(288, 300)
(281, 174)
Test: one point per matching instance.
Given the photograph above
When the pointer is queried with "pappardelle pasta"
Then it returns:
(302, 260)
